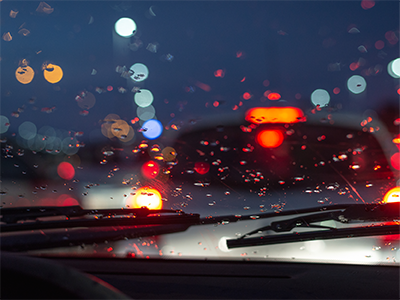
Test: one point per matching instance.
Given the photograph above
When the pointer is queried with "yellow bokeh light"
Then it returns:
(52, 73)
(392, 196)
(145, 197)
(7, 36)
(24, 74)
(169, 153)
(44, 8)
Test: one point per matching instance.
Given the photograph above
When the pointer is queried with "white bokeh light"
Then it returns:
(125, 27)
(140, 72)
(356, 84)
(320, 97)
(146, 113)
(27, 130)
(4, 124)
(393, 68)
(144, 98)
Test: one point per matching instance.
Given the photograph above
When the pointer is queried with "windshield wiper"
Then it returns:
(27, 228)
(355, 213)
(34, 218)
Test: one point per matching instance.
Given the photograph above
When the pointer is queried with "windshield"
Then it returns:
(204, 111)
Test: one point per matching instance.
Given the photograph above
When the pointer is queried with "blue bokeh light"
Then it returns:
(152, 129)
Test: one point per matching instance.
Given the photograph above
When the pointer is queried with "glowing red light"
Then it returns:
(336, 90)
(274, 96)
(270, 138)
(246, 96)
(353, 66)
(66, 171)
(219, 73)
(395, 161)
(201, 167)
(135, 120)
(109, 88)
(367, 4)
(216, 104)
(379, 44)
(244, 78)
(391, 37)
(70, 202)
(150, 169)
(239, 54)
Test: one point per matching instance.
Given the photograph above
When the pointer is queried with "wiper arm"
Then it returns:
(352, 214)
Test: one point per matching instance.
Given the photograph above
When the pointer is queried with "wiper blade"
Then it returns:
(85, 226)
(314, 235)
(34, 218)
(15, 214)
(352, 214)
(37, 240)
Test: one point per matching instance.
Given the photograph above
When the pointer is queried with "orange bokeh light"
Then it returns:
(24, 74)
(270, 138)
(145, 197)
(262, 115)
(52, 73)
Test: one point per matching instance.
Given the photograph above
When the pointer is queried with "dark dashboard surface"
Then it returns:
(195, 279)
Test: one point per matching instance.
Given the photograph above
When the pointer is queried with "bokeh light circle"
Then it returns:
(320, 97)
(395, 161)
(393, 68)
(27, 130)
(145, 197)
(356, 84)
(144, 98)
(24, 74)
(140, 72)
(4, 124)
(125, 27)
(146, 113)
(66, 171)
(52, 73)
(152, 129)
(270, 138)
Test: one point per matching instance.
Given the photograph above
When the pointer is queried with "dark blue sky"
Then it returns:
(290, 44)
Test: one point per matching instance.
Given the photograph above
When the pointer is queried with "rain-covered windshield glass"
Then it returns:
(213, 108)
